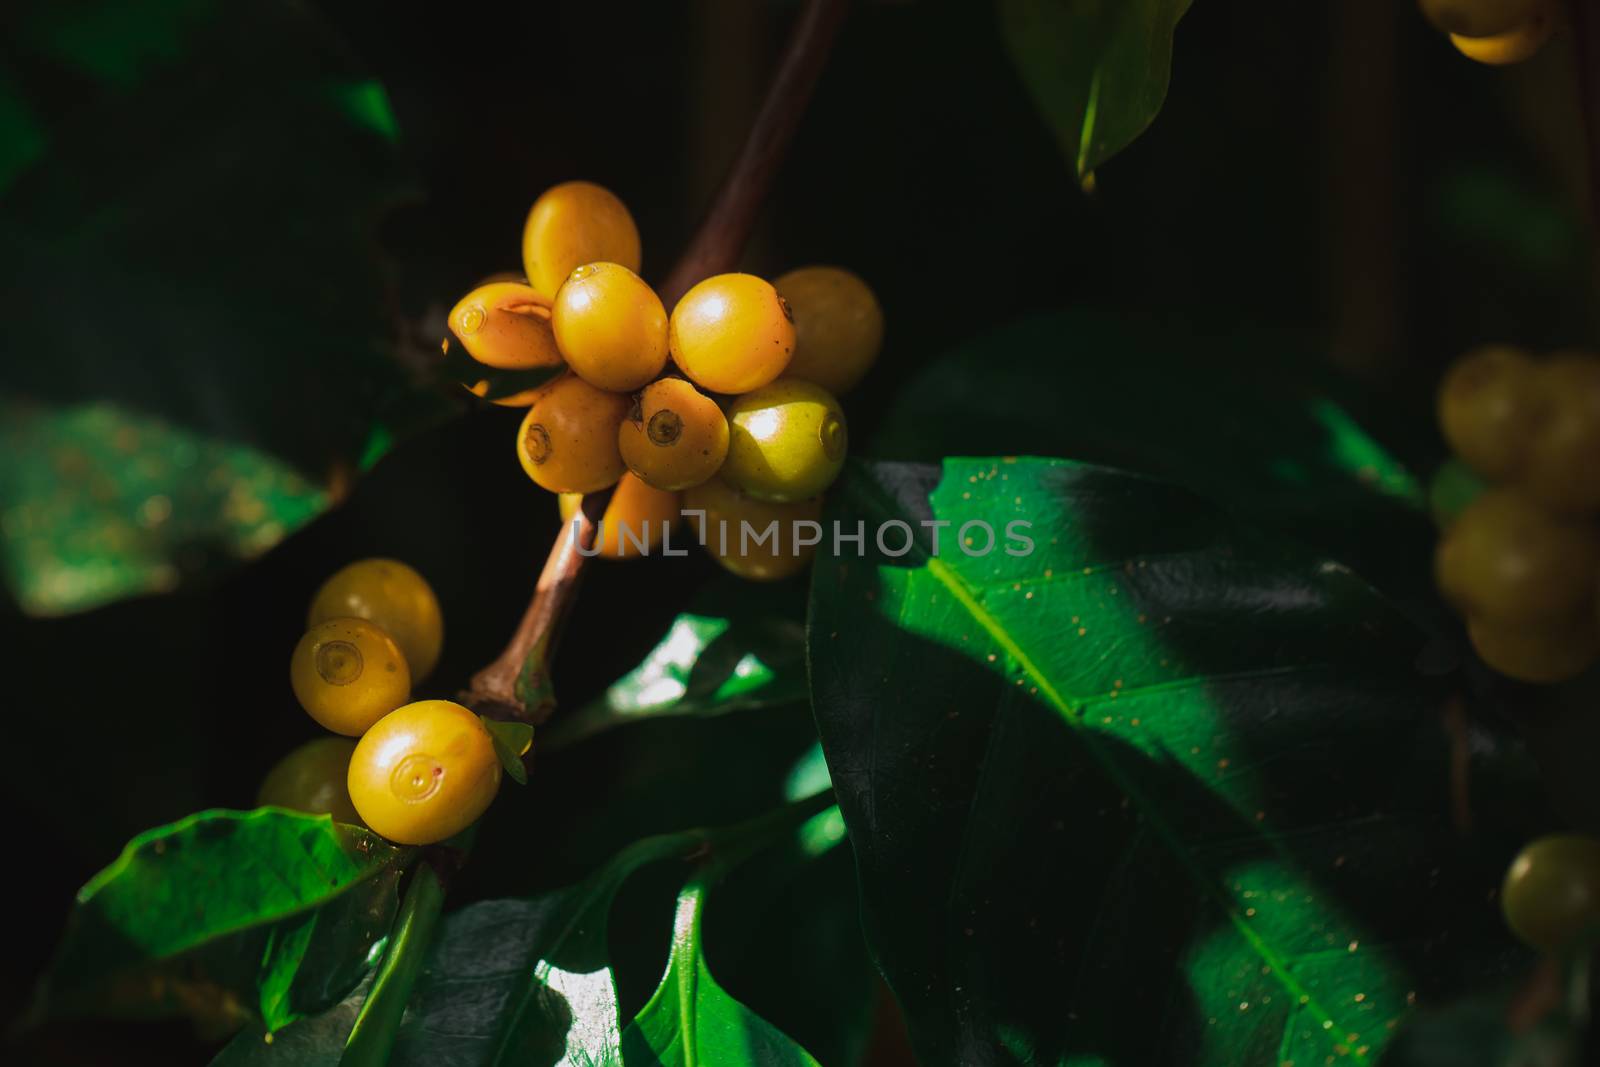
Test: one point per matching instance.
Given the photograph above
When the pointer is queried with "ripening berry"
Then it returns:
(838, 326)
(506, 325)
(1481, 18)
(424, 772)
(312, 779)
(572, 224)
(611, 327)
(675, 436)
(1562, 466)
(786, 441)
(1487, 409)
(635, 522)
(568, 439)
(347, 673)
(392, 596)
(752, 538)
(732, 333)
(1543, 653)
(1551, 893)
(1506, 561)
(1513, 46)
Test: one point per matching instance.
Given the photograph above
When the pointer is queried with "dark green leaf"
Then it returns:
(1098, 71)
(201, 350)
(1233, 417)
(738, 646)
(511, 740)
(227, 916)
(372, 1037)
(1159, 791)
(514, 982)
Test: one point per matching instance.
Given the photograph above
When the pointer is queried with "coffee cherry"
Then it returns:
(611, 327)
(1487, 409)
(1480, 18)
(392, 596)
(647, 514)
(1551, 893)
(1513, 46)
(312, 779)
(786, 441)
(1562, 469)
(729, 512)
(572, 224)
(675, 436)
(1507, 561)
(348, 674)
(838, 326)
(506, 325)
(732, 333)
(1544, 653)
(424, 772)
(568, 439)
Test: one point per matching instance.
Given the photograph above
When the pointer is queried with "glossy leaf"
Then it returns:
(514, 982)
(1244, 417)
(199, 355)
(1158, 791)
(227, 916)
(511, 740)
(738, 646)
(1097, 71)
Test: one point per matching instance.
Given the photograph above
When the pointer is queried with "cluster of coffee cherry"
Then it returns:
(744, 432)
(1496, 32)
(421, 771)
(1521, 559)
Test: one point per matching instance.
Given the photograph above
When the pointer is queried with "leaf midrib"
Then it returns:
(947, 577)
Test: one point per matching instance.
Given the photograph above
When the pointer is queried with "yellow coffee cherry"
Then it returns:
(733, 521)
(838, 326)
(1543, 653)
(611, 327)
(424, 772)
(1562, 467)
(312, 779)
(1480, 18)
(1513, 46)
(786, 441)
(347, 673)
(1487, 409)
(1551, 893)
(572, 224)
(568, 439)
(1506, 561)
(732, 333)
(646, 512)
(675, 436)
(394, 597)
(506, 325)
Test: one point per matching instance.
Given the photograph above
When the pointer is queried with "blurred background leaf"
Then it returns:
(200, 351)
(1098, 69)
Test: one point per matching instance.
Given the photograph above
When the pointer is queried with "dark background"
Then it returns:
(1333, 169)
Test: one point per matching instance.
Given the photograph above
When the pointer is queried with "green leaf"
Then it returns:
(372, 1036)
(737, 647)
(197, 218)
(1097, 70)
(227, 916)
(1243, 417)
(1160, 790)
(515, 982)
(692, 1020)
(511, 740)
